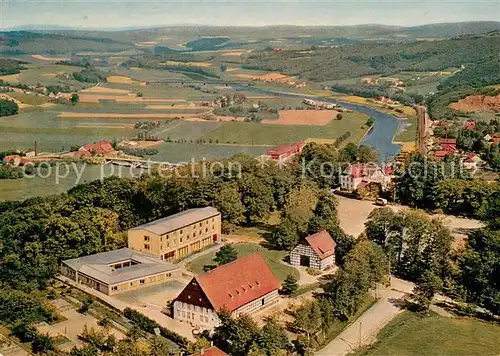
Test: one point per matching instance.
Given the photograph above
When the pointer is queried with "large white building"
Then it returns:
(316, 251)
(355, 174)
(241, 287)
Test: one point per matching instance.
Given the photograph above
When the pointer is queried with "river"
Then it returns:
(380, 136)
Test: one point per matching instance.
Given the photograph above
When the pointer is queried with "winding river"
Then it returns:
(380, 136)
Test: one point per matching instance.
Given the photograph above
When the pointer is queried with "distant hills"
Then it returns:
(64, 40)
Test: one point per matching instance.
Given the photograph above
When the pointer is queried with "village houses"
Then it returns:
(356, 174)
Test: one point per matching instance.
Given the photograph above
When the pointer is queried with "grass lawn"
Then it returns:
(261, 134)
(409, 133)
(272, 257)
(409, 334)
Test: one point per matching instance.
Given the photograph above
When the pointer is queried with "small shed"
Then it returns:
(316, 251)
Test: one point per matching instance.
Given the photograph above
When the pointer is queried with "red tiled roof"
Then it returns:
(470, 125)
(448, 147)
(81, 153)
(362, 170)
(238, 283)
(441, 154)
(470, 158)
(495, 140)
(322, 243)
(101, 147)
(284, 149)
(212, 351)
(447, 141)
(9, 158)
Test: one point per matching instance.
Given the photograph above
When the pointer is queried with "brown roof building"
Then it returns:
(316, 251)
(242, 286)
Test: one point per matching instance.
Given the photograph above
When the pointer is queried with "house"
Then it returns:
(487, 138)
(354, 174)
(99, 148)
(286, 151)
(116, 271)
(470, 125)
(13, 160)
(211, 351)
(177, 235)
(471, 161)
(240, 287)
(447, 144)
(316, 251)
(440, 155)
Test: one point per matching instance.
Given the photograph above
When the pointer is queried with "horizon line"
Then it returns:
(123, 28)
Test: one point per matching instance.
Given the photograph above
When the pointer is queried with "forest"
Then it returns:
(36, 234)
(365, 58)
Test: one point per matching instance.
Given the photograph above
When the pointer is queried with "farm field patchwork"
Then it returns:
(258, 134)
(185, 130)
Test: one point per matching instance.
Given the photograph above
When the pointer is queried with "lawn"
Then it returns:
(409, 334)
(272, 257)
(407, 131)
(260, 134)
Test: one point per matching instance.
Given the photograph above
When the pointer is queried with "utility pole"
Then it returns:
(360, 325)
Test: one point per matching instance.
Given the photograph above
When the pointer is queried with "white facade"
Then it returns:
(348, 182)
(208, 319)
(196, 315)
(257, 304)
(301, 251)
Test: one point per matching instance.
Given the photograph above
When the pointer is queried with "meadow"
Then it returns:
(260, 134)
(186, 152)
(410, 334)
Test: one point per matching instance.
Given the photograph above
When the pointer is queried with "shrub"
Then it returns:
(148, 325)
(313, 271)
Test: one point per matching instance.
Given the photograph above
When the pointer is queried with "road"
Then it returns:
(365, 329)
(353, 213)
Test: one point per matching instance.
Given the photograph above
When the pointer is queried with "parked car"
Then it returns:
(381, 202)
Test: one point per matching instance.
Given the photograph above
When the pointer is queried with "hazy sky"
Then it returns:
(137, 13)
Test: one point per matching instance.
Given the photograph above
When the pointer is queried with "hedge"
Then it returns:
(148, 325)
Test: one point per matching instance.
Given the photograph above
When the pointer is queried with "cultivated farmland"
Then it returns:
(303, 117)
(264, 134)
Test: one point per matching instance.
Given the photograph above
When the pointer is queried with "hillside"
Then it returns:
(323, 64)
(24, 42)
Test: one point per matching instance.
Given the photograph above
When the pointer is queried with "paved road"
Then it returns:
(365, 329)
(353, 214)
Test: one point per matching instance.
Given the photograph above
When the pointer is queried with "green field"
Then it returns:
(272, 257)
(409, 334)
(260, 134)
(185, 152)
(409, 133)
